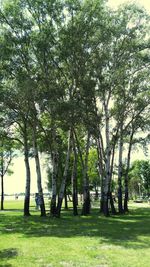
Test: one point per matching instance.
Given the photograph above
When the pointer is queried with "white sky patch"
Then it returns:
(115, 3)
(15, 183)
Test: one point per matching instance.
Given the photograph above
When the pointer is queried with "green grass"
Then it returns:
(92, 241)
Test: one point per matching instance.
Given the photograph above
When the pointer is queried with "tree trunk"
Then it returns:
(101, 200)
(107, 177)
(53, 209)
(113, 210)
(65, 199)
(28, 178)
(2, 192)
(74, 182)
(63, 184)
(39, 178)
(105, 208)
(120, 207)
(86, 194)
(126, 175)
(4, 168)
(100, 171)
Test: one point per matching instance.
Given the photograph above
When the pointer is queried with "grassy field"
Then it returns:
(92, 241)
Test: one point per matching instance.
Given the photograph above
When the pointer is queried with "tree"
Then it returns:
(140, 177)
(6, 156)
(80, 74)
(119, 92)
(94, 178)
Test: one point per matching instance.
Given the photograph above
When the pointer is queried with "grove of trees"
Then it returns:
(75, 85)
(139, 179)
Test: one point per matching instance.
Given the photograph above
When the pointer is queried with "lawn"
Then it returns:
(120, 241)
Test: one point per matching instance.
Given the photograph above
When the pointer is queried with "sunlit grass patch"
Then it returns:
(81, 241)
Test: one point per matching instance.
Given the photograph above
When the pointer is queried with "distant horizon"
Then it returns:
(23, 193)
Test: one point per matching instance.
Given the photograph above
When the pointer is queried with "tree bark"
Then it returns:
(120, 207)
(2, 192)
(101, 171)
(3, 170)
(86, 194)
(74, 182)
(39, 177)
(63, 184)
(113, 210)
(107, 178)
(2, 179)
(65, 199)
(53, 208)
(28, 177)
(126, 197)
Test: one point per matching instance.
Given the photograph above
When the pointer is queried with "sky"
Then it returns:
(16, 182)
(144, 3)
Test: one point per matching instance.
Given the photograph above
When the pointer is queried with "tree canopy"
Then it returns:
(75, 85)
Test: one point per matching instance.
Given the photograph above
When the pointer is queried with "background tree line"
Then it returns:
(75, 86)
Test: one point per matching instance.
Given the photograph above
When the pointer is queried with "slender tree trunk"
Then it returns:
(113, 210)
(100, 171)
(74, 182)
(102, 198)
(126, 175)
(3, 169)
(65, 199)
(107, 178)
(86, 193)
(27, 189)
(105, 201)
(2, 177)
(63, 184)
(101, 158)
(53, 208)
(2, 192)
(148, 191)
(39, 178)
(81, 159)
(126, 197)
(28, 178)
(120, 207)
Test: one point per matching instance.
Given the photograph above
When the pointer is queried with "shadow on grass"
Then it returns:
(130, 231)
(5, 265)
(7, 254)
